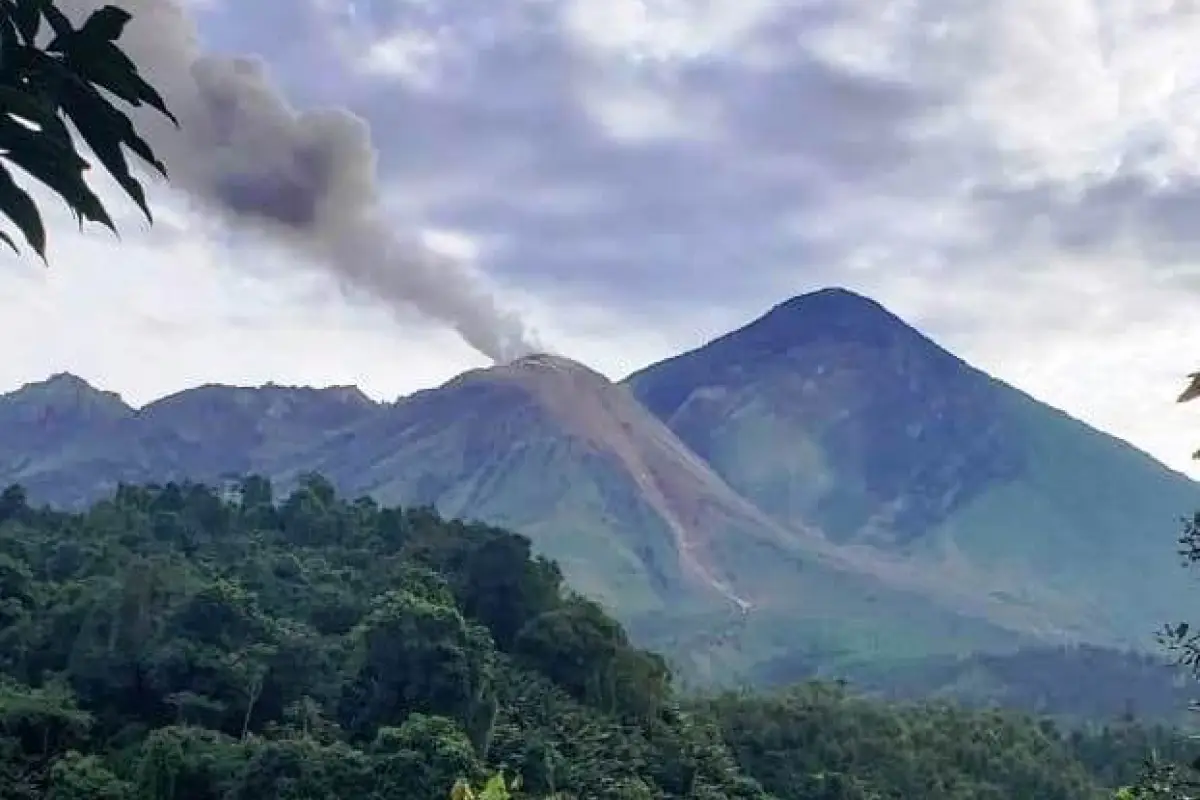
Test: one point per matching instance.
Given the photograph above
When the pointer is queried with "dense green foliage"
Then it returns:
(180, 643)
(1173, 777)
(820, 741)
(1074, 683)
(169, 643)
(69, 78)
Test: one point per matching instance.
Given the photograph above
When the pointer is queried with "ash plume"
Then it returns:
(305, 179)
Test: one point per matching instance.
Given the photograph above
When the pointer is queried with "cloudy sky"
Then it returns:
(1020, 179)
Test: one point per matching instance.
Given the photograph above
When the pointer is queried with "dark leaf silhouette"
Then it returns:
(1193, 389)
(42, 88)
(22, 210)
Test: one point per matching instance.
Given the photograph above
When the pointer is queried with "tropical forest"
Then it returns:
(174, 642)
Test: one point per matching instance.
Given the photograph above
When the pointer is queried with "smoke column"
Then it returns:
(305, 179)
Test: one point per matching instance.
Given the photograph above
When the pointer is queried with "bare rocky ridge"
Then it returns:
(669, 477)
(543, 398)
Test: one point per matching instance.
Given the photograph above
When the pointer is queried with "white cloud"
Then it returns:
(409, 55)
(664, 30)
(1019, 178)
(453, 244)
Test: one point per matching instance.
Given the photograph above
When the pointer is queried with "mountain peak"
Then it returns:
(540, 368)
(917, 431)
(64, 387)
(832, 324)
(60, 382)
(832, 313)
(548, 362)
(65, 393)
(556, 381)
(839, 294)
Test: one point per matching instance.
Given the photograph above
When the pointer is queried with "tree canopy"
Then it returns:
(1175, 778)
(181, 642)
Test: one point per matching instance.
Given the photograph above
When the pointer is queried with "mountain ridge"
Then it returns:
(832, 410)
(826, 469)
(834, 292)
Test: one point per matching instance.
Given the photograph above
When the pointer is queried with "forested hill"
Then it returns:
(179, 643)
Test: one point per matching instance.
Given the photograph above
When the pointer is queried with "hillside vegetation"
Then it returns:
(866, 493)
(177, 643)
(1073, 684)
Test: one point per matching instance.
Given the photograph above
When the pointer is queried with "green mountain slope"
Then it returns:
(549, 447)
(830, 409)
(825, 485)
(557, 451)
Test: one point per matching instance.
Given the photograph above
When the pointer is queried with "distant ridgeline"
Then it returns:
(179, 641)
(823, 491)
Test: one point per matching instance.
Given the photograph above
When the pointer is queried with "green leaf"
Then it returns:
(17, 205)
